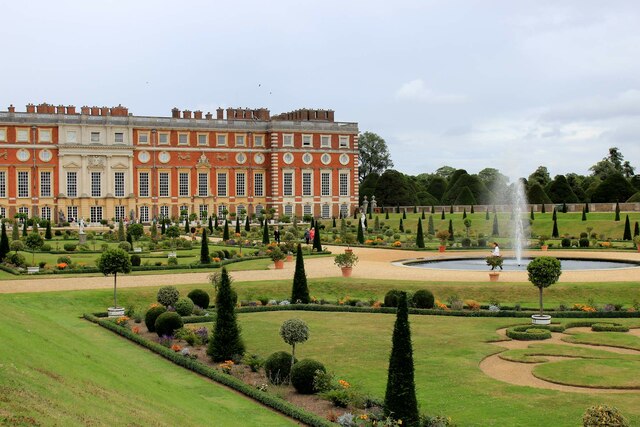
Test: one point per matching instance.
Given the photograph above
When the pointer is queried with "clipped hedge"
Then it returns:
(167, 323)
(199, 298)
(303, 373)
(265, 398)
(533, 332)
(609, 327)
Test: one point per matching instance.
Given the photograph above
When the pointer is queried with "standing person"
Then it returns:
(312, 234)
(276, 235)
(496, 251)
(307, 236)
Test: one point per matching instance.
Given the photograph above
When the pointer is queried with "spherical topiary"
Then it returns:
(199, 298)
(391, 298)
(302, 375)
(64, 259)
(124, 246)
(277, 367)
(135, 260)
(184, 307)
(423, 299)
(565, 242)
(168, 295)
(603, 415)
(17, 259)
(168, 322)
(152, 315)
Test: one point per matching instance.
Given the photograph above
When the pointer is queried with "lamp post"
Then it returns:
(34, 196)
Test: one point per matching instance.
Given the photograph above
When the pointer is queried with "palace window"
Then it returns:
(307, 210)
(144, 213)
(240, 141)
(45, 213)
(72, 184)
(183, 138)
(118, 184)
(22, 135)
(3, 184)
(119, 137)
(240, 184)
(344, 184)
(325, 184)
(143, 184)
(326, 211)
(96, 184)
(203, 139)
(23, 184)
(325, 141)
(221, 140)
(288, 210)
(344, 142)
(72, 213)
(163, 138)
(95, 136)
(143, 138)
(287, 184)
(183, 184)
(307, 140)
(258, 184)
(119, 213)
(203, 184)
(204, 212)
(222, 184)
(306, 184)
(344, 210)
(258, 141)
(45, 184)
(287, 140)
(164, 211)
(95, 214)
(44, 135)
(164, 184)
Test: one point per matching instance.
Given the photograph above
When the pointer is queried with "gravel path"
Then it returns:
(374, 263)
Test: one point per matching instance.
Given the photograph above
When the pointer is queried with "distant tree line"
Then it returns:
(611, 180)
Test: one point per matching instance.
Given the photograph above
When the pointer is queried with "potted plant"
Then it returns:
(346, 261)
(277, 256)
(543, 272)
(493, 262)
(636, 240)
(349, 239)
(543, 242)
(442, 235)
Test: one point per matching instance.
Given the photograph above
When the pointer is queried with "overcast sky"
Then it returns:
(470, 84)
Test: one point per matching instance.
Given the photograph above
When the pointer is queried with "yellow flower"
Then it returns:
(399, 422)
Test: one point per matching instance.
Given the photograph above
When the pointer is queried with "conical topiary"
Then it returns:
(431, 229)
(532, 215)
(226, 342)
(4, 243)
(584, 214)
(555, 232)
(496, 230)
(627, 229)
(265, 234)
(543, 209)
(247, 224)
(300, 289)
(554, 216)
(225, 232)
(442, 217)
(423, 215)
(451, 230)
(401, 226)
(316, 239)
(636, 229)
(617, 211)
(47, 232)
(210, 225)
(464, 213)
(204, 248)
(237, 225)
(419, 235)
(361, 233)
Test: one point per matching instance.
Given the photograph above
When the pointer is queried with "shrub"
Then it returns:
(184, 307)
(466, 242)
(64, 259)
(532, 333)
(172, 261)
(57, 233)
(167, 323)
(391, 298)
(45, 248)
(254, 362)
(17, 259)
(125, 246)
(603, 415)
(303, 373)
(70, 247)
(17, 245)
(152, 315)
(566, 242)
(609, 327)
(423, 298)
(277, 367)
(584, 242)
(135, 260)
(168, 295)
(199, 298)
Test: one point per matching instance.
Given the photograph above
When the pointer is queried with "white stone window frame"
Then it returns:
(144, 138)
(95, 136)
(343, 141)
(221, 139)
(287, 140)
(119, 213)
(288, 209)
(118, 137)
(203, 184)
(203, 139)
(160, 137)
(240, 140)
(72, 184)
(202, 210)
(183, 138)
(45, 213)
(3, 134)
(325, 185)
(258, 184)
(325, 141)
(306, 193)
(72, 212)
(222, 184)
(164, 188)
(307, 140)
(288, 188)
(45, 135)
(3, 184)
(46, 178)
(144, 213)
(343, 175)
(241, 184)
(96, 214)
(258, 140)
(23, 135)
(183, 186)
(96, 183)
(143, 184)
(119, 184)
(71, 136)
(164, 211)
(22, 186)
(325, 211)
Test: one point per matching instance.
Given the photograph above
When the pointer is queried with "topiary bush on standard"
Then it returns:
(603, 415)
(135, 260)
(199, 298)
(167, 323)
(391, 298)
(423, 298)
(184, 307)
(277, 367)
(152, 315)
(303, 373)
(168, 295)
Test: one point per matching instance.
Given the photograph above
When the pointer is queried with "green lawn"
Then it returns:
(602, 373)
(615, 339)
(61, 370)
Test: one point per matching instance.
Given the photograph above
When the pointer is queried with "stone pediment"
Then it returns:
(120, 165)
(71, 165)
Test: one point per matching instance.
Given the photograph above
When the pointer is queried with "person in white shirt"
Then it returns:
(496, 251)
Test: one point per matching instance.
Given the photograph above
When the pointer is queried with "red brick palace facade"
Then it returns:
(105, 163)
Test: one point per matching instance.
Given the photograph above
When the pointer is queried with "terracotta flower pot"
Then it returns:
(494, 276)
(544, 247)
(348, 251)
(346, 271)
(279, 264)
(442, 248)
(289, 258)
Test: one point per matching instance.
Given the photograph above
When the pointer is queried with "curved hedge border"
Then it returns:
(266, 399)
(609, 327)
(533, 332)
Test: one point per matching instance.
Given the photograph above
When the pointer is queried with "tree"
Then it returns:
(226, 342)
(437, 187)
(114, 261)
(464, 213)
(627, 229)
(24, 229)
(615, 187)
(532, 215)
(613, 163)
(47, 232)
(419, 235)
(400, 401)
(204, 248)
(560, 191)
(617, 218)
(225, 232)
(373, 155)
(495, 231)
(15, 231)
(34, 241)
(555, 232)
(294, 331)
(300, 289)
(210, 225)
(237, 225)
(395, 188)
(536, 195)
(4, 243)
(401, 226)
(554, 215)
(584, 214)
(316, 239)
(361, 233)
(543, 272)
(451, 237)
(173, 232)
(430, 228)
(265, 234)
(540, 176)
(636, 230)
(136, 231)
(247, 224)
(442, 217)
(163, 226)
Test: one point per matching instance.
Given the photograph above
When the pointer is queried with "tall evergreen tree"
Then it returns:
(584, 214)
(24, 229)
(316, 239)
(370, 215)
(415, 209)
(47, 232)
(237, 225)
(442, 217)
(404, 214)
(210, 225)
(464, 213)
(451, 209)
(313, 223)
(265, 234)
(130, 240)
(586, 207)
(555, 232)
(15, 231)
(451, 230)
(163, 226)
(433, 209)
(401, 226)
(121, 233)
(4, 243)
(554, 216)
(226, 342)
(300, 289)
(423, 215)
(543, 209)
(486, 215)
(617, 211)
(636, 229)
(247, 224)
(400, 401)
(225, 232)
(496, 230)
(431, 229)
(215, 223)
(419, 235)
(398, 208)
(361, 233)
(472, 211)
(376, 223)
(386, 215)
(627, 229)
(564, 208)
(186, 226)
(533, 215)
(204, 248)
(334, 222)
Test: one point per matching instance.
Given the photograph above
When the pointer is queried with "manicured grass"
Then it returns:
(536, 353)
(602, 373)
(447, 352)
(614, 339)
(62, 370)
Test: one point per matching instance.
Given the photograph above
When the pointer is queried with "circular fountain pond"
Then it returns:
(511, 264)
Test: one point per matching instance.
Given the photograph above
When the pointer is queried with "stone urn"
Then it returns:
(115, 311)
(540, 319)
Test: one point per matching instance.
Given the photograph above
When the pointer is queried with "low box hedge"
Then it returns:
(267, 399)
(609, 327)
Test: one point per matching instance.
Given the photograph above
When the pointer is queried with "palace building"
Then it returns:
(103, 163)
